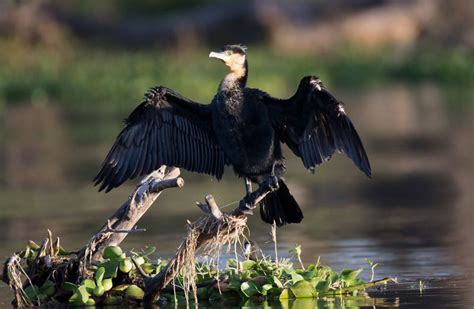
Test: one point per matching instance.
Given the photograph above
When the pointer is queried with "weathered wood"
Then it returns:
(126, 217)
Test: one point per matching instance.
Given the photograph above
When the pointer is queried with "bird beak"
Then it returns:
(222, 56)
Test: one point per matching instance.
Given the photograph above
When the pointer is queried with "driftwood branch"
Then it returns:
(124, 220)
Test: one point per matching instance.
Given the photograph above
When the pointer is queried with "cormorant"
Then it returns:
(242, 127)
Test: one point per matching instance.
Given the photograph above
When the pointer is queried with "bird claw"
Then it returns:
(271, 183)
(246, 206)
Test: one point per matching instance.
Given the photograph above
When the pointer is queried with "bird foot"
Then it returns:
(247, 205)
(271, 183)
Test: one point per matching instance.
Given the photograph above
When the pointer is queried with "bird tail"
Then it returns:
(280, 207)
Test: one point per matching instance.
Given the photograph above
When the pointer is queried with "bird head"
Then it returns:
(234, 57)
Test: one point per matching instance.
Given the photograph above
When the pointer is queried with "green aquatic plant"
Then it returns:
(121, 278)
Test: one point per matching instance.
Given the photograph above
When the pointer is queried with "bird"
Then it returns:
(243, 128)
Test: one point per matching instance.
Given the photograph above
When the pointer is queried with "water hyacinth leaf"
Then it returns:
(134, 292)
(83, 293)
(333, 276)
(303, 289)
(249, 288)
(63, 251)
(295, 278)
(231, 263)
(285, 294)
(33, 246)
(89, 284)
(248, 265)
(140, 260)
(125, 266)
(309, 273)
(277, 282)
(99, 291)
(121, 288)
(47, 288)
(234, 284)
(265, 288)
(70, 287)
(296, 251)
(26, 253)
(323, 286)
(349, 274)
(111, 268)
(148, 267)
(107, 284)
(149, 250)
(112, 252)
(99, 275)
(32, 292)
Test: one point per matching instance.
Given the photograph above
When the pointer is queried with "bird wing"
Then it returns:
(314, 125)
(166, 129)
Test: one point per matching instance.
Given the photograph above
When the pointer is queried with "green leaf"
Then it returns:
(349, 274)
(265, 288)
(285, 294)
(121, 288)
(248, 265)
(32, 292)
(47, 288)
(68, 286)
(80, 296)
(134, 292)
(323, 286)
(309, 273)
(249, 288)
(112, 252)
(234, 284)
(111, 268)
(296, 277)
(296, 251)
(89, 284)
(231, 263)
(277, 282)
(303, 289)
(148, 267)
(107, 284)
(99, 275)
(314, 281)
(333, 276)
(148, 251)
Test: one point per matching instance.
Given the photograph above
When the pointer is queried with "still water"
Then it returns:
(414, 217)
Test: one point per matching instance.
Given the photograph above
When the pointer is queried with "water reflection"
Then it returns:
(414, 217)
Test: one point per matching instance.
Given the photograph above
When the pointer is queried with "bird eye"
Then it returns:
(228, 52)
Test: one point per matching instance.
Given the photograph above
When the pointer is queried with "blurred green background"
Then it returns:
(70, 71)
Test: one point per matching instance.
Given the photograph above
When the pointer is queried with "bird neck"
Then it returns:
(236, 79)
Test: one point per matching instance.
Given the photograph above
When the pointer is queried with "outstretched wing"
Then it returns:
(166, 129)
(314, 125)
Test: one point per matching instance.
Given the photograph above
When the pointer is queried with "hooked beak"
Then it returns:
(222, 56)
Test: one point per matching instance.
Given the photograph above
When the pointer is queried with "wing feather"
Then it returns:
(166, 129)
(314, 125)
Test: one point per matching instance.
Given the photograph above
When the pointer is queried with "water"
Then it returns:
(414, 217)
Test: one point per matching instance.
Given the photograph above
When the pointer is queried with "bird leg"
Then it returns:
(248, 185)
(250, 201)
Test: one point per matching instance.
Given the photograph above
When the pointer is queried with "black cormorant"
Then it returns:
(242, 127)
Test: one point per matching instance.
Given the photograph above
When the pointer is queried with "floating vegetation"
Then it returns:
(121, 278)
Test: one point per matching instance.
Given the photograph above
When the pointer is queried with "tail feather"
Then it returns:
(280, 207)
